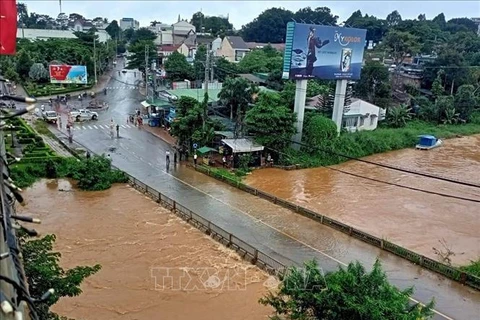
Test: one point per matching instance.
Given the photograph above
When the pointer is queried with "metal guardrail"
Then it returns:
(246, 251)
(418, 259)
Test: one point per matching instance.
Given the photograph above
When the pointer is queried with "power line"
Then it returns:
(395, 168)
(393, 184)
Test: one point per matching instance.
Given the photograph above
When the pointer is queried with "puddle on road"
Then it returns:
(412, 219)
(137, 243)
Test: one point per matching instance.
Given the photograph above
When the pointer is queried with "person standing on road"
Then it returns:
(175, 157)
(195, 159)
(167, 154)
(224, 161)
(118, 128)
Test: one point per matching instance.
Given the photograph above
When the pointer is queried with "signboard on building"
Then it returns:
(323, 52)
(68, 74)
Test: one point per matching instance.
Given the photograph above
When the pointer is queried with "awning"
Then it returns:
(204, 150)
(242, 145)
(145, 104)
(226, 134)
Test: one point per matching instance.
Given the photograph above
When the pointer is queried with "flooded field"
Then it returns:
(416, 220)
(154, 265)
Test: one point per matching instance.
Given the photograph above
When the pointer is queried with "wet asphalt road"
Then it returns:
(252, 219)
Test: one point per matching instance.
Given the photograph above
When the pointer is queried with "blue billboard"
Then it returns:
(323, 52)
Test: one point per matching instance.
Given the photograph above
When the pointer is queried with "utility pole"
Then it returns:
(211, 66)
(146, 72)
(207, 67)
(94, 59)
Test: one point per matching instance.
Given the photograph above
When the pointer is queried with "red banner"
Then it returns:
(8, 27)
(59, 72)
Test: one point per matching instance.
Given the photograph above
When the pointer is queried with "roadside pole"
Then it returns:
(299, 109)
(94, 59)
(146, 72)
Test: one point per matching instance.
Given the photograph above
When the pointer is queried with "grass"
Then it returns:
(235, 176)
(473, 268)
(42, 128)
(365, 143)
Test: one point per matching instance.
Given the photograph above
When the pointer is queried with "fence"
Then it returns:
(418, 259)
(246, 251)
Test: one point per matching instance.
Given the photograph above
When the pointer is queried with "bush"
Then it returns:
(319, 129)
(92, 174)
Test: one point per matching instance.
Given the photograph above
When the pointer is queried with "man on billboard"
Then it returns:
(313, 43)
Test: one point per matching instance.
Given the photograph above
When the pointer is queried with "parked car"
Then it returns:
(83, 115)
(50, 116)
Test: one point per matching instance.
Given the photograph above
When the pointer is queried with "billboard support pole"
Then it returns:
(94, 59)
(299, 109)
(339, 103)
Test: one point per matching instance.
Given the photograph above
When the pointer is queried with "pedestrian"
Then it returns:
(118, 128)
(88, 154)
(175, 157)
(224, 161)
(195, 159)
(109, 158)
(167, 156)
(59, 122)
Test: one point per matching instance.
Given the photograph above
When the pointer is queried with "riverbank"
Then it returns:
(135, 240)
(417, 221)
(366, 143)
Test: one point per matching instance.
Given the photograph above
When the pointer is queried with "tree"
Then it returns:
(22, 13)
(374, 84)
(465, 101)
(113, 29)
(199, 62)
(43, 272)
(268, 27)
(437, 87)
(237, 93)
(128, 34)
(393, 19)
(177, 68)
(261, 60)
(349, 293)
(142, 34)
(223, 68)
(272, 123)
(137, 58)
(38, 72)
(319, 130)
(397, 117)
(24, 63)
(400, 45)
(75, 16)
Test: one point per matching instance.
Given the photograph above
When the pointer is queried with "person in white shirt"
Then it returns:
(168, 156)
(195, 159)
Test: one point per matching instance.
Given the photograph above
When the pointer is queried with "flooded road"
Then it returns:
(409, 218)
(139, 246)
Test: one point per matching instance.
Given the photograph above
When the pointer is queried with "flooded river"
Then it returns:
(416, 220)
(154, 265)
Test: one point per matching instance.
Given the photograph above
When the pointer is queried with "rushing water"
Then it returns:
(135, 241)
(416, 220)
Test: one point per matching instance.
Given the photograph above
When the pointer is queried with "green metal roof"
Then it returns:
(196, 93)
(204, 150)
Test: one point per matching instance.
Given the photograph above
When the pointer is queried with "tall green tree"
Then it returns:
(177, 67)
(374, 84)
(43, 272)
(261, 60)
(400, 45)
(199, 62)
(272, 123)
(113, 29)
(465, 101)
(24, 63)
(349, 293)
(224, 68)
(137, 58)
(237, 93)
(142, 34)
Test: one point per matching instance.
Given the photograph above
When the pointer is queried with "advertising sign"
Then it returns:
(68, 74)
(323, 52)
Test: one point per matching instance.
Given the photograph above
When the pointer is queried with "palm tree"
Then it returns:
(22, 12)
(237, 93)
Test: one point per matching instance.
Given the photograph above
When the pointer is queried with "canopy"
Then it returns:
(242, 145)
(145, 104)
(204, 150)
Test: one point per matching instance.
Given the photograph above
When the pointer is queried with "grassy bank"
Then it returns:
(472, 268)
(48, 89)
(365, 143)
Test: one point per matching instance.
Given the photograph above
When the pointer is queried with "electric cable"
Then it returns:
(391, 167)
(392, 183)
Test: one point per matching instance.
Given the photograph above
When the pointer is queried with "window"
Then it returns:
(372, 120)
(362, 121)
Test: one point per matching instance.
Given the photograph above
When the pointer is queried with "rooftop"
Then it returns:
(237, 42)
(196, 93)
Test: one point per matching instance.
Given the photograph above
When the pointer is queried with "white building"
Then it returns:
(42, 34)
(361, 115)
(129, 23)
(216, 44)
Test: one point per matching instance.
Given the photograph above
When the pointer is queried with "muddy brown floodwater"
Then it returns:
(412, 219)
(154, 265)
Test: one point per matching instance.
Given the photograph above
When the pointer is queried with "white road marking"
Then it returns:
(95, 126)
(128, 126)
(90, 127)
(123, 126)
(100, 126)
(83, 128)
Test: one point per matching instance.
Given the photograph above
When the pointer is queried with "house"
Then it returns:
(164, 51)
(361, 115)
(80, 25)
(183, 28)
(259, 45)
(129, 23)
(187, 50)
(233, 48)
(216, 45)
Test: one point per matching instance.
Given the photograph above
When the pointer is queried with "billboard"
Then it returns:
(68, 74)
(323, 52)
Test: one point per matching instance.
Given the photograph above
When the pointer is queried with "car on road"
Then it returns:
(50, 116)
(124, 71)
(83, 115)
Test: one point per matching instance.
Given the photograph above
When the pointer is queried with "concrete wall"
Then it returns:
(42, 34)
